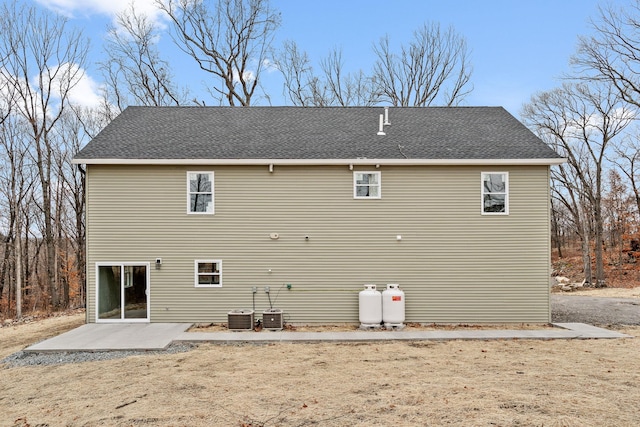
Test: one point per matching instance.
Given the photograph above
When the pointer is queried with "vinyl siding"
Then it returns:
(454, 264)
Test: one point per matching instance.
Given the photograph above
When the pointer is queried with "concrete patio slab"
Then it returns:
(158, 336)
(109, 337)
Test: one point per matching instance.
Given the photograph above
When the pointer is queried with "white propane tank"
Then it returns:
(370, 306)
(393, 305)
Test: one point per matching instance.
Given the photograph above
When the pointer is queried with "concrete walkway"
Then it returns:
(158, 336)
(563, 331)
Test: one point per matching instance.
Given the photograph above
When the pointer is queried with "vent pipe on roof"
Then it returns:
(386, 116)
(381, 127)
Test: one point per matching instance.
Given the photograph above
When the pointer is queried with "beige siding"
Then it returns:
(454, 264)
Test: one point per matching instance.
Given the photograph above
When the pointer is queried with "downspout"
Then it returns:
(83, 172)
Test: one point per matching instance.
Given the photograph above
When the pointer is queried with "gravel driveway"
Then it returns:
(595, 310)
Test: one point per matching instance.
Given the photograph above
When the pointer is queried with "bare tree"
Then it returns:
(43, 62)
(230, 40)
(433, 69)
(581, 121)
(627, 160)
(79, 125)
(332, 87)
(556, 228)
(350, 88)
(299, 81)
(613, 53)
(133, 70)
(17, 178)
(617, 214)
(567, 197)
(612, 56)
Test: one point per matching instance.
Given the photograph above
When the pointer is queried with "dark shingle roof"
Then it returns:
(453, 133)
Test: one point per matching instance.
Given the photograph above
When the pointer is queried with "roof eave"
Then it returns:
(323, 162)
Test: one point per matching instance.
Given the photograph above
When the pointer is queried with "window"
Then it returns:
(200, 192)
(366, 185)
(495, 193)
(209, 273)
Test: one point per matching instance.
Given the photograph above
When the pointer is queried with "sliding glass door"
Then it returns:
(122, 292)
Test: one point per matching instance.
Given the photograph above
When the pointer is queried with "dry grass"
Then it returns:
(470, 383)
(17, 336)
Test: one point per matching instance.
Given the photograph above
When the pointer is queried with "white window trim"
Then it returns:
(196, 274)
(355, 185)
(506, 193)
(213, 193)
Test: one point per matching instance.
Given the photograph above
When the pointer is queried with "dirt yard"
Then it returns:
(605, 292)
(462, 383)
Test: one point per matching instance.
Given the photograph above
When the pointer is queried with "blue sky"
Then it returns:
(517, 47)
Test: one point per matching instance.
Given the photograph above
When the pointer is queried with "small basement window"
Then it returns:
(367, 185)
(495, 193)
(200, 192)
(208, 273)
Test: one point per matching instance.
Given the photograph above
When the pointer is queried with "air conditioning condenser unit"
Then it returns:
(273, 319)
(240, 320)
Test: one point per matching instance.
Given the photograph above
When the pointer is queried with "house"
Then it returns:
(196, 211)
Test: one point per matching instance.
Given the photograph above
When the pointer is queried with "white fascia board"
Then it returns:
(323, 162)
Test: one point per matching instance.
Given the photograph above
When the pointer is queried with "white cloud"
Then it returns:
(4, 94)
(248, 76)
(269, 65)
(110, 8)
(86, 93)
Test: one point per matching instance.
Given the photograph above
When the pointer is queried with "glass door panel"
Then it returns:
(109, 292)
(135, 292)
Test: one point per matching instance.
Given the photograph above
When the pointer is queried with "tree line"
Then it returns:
(590, 119)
